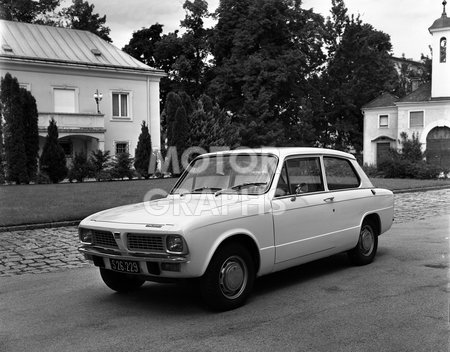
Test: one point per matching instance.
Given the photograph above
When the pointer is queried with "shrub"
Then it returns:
(99, 161)
(122, 166)
(42, 179)
(104, 175)
(53, 158)
(143, 152)
(80, 168)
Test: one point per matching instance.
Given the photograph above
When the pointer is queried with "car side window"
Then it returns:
(340, 174)
(304, 175)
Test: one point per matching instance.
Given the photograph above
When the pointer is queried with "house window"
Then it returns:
(64, 100)
(416, 119)
(384, 121)
(443, 49)
(120, 104)
(121, 147)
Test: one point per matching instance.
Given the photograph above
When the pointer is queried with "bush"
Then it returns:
(143, 152)
(80, 168)
(99, 161)
(42, 179)
(104, 175)
(122, 166)
(53, 159)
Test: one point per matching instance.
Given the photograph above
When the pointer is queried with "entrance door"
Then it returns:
(438, 147)
(383, 151)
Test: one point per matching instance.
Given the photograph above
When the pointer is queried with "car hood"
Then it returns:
(181, 211)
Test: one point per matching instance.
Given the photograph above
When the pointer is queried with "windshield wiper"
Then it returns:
(248, 184)
(240, 186)
(200, 189)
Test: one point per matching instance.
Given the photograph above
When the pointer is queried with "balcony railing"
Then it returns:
(72, 120)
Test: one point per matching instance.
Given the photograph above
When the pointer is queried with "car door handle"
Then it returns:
(329, 199)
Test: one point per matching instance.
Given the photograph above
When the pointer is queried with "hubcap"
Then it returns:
(366, 241)
(233, 277)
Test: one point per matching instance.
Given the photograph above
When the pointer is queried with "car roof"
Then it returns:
(283, 152)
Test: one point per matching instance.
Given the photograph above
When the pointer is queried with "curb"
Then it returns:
(76, 222)
(44, 225)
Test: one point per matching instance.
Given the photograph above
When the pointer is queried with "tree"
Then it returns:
(180, 133)
(80, 15)
(173, 102)
(13, 134)
(143, 152)
(29, 11)
(266, 54)
(142, 44)
(31, 132)
(2, 168)
(53, 159)
(99, 161)
(211, 126)
(80, 168)
(122, 166)
(358, 71)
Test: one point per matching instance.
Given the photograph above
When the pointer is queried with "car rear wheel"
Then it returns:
(366, 249)
(120, 282)
(229, 278)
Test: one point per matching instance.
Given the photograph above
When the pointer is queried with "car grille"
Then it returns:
(140, 242)
(104, 239)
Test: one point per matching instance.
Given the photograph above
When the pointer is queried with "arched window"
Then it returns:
(443, 50)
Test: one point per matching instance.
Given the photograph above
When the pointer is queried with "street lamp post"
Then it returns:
(98, 97)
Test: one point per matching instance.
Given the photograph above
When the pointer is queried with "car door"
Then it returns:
(302, 210)
(350, 201)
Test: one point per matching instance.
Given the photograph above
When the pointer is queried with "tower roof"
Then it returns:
(442, 22)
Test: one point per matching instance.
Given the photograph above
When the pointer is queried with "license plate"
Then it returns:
(126, 266)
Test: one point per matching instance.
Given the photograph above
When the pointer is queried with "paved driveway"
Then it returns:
(55, 249)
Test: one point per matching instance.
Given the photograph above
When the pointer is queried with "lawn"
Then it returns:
(31, 204)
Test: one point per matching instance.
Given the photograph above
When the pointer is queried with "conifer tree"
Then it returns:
(2, 170)
(53, 159)
(181, 133)
(31, 132)
(122, 166)
(13, 133)
(143, 152)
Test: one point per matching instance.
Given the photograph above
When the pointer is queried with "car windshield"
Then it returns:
(232, 173)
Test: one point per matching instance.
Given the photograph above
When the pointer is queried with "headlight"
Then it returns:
(85, 235)
(175, 244)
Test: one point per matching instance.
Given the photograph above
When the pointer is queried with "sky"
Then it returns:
(406, 21)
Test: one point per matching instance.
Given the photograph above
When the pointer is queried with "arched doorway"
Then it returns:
(438, 147)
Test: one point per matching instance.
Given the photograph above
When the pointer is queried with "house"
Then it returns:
(424, 112)
(97, 94)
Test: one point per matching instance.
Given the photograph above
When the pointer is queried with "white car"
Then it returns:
(237, 215)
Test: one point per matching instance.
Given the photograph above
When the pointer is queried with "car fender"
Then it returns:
(222, 238)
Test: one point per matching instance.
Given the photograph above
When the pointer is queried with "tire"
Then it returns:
(229, 278)
(120, 282)
(366, 249)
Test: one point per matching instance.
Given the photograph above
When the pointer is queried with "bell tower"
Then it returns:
(440, 80)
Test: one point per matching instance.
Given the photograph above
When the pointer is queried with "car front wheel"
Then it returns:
(229, 278)
(120, 282)
(366, 249)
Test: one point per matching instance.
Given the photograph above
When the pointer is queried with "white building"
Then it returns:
(425, 112)
(63, 69)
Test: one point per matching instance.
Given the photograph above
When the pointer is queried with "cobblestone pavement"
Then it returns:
(55, 249)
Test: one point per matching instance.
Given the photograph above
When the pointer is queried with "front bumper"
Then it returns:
(151, 265)
(137, 256)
